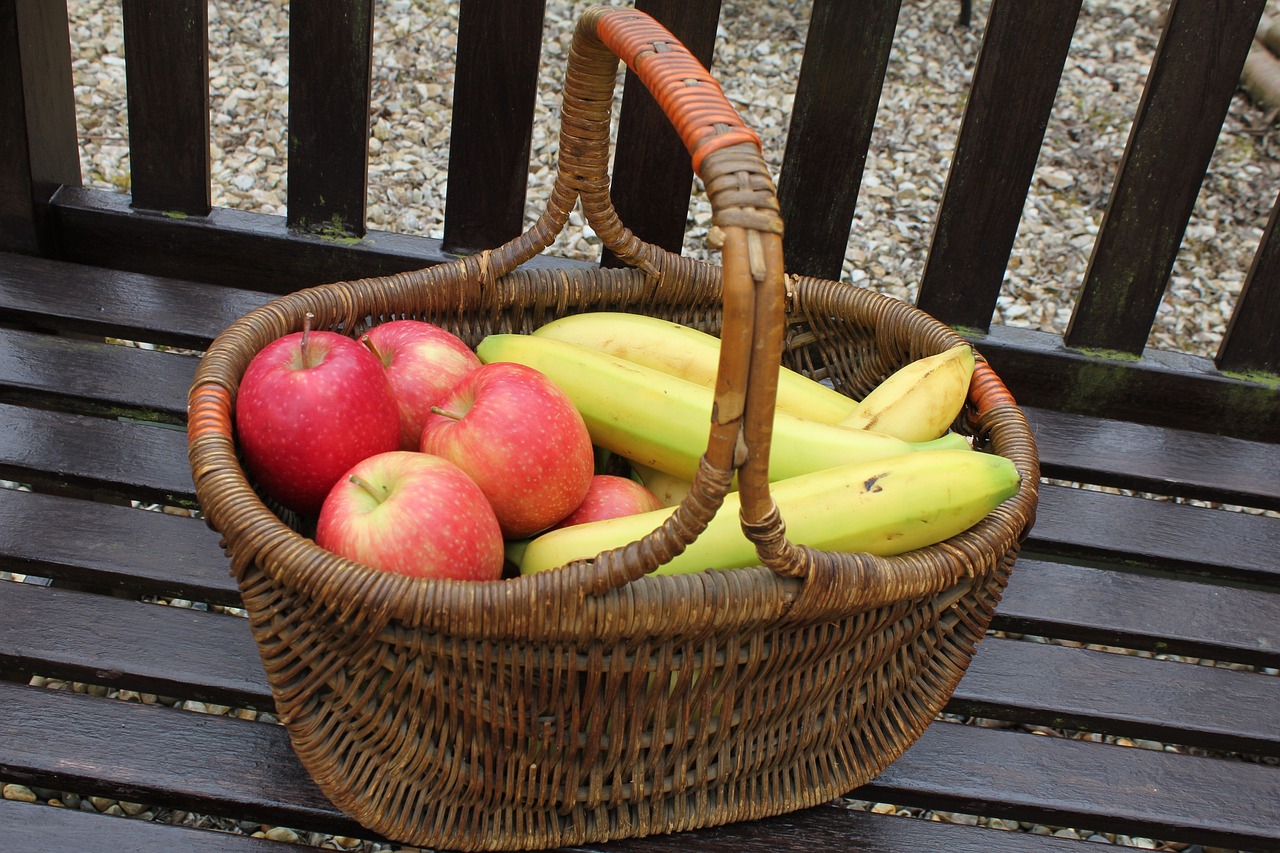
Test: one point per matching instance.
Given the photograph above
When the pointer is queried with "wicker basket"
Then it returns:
(600, 701)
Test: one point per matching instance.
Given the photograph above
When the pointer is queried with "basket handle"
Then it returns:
(727, 156)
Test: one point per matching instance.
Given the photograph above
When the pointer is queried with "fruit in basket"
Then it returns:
(423, 361)
(882, 507)
(413, 514)
(668, 488)
(311, 404)
(611, 496)
(689, 354)
(920, 400)
(661, 421)
(521, 439)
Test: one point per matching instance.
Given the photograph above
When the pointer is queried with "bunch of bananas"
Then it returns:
(883, 475)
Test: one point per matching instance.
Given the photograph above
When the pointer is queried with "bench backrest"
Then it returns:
(166, 225)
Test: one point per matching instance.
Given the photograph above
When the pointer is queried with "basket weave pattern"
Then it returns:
(599, 701)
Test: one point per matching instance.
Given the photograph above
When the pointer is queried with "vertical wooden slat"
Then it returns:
(1192, 79)
(841, 75)
(1014, 84)
(652, 171)
(1252, 340)
(38, 147)
(330, 71)
(167, 45)
(495, 84)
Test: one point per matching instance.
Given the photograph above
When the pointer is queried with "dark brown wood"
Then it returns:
(1057, 781)
(102, 546)
(1161, 388)
(1121, 695)
(233, 247)
(841, 75)
(167, 44)
(652, 170)
(150, 648)
(1157, 460)
(330, 68)
(198, 762)
(44, 829)
(1014, 84)
(495, 84)
(83, 454)
(94, 378)
(1170, 537)
(1170, 144)
(1252, 340)
(1137, 611)
(60, 296)
(38, 149)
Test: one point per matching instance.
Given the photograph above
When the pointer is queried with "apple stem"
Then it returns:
(364, 339)
(306, 338)
(378, 494)
(436, 410)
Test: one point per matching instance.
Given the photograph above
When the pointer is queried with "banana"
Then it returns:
(688, 353)
(882, 507)
(662, 421)
(669, 488)
(920, 400)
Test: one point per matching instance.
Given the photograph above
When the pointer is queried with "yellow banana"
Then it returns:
(662, 421)
(689, 354)
(882, 507)
(920, 400)
(669, 488)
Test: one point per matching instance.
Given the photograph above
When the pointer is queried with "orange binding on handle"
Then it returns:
(687, 93)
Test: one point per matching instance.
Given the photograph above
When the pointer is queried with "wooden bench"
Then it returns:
(1131, 689)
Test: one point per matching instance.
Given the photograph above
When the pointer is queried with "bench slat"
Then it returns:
(71, 297)
(1160, 460)
(39, 148)
(222, 765)
(1252, 340)
(94, 378)
(652, 170)
(1014, 85)
(168, 77)
(1082, 523)
(1122, 695)
(330, 56)
(36, 829)
(495, 87)
(120, 459)
(1217, 802)
(173, 651)
(1177, 125)
(842, 73)
(114, 547)
(1141, 612)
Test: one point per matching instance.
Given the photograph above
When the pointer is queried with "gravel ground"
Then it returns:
(757, 60)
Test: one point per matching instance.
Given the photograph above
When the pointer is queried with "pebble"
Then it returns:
(21, 793)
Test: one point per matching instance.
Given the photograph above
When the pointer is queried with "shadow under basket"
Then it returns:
(601, 701)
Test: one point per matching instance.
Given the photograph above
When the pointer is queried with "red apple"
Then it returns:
(610, 496)
(312, 404)
(414, 514)
(521, 439)
(423, 361)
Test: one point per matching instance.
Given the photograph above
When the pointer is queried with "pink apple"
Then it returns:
(312, 404)
(610, 496)
(414, 514)
(423, 361)
(521, 439)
